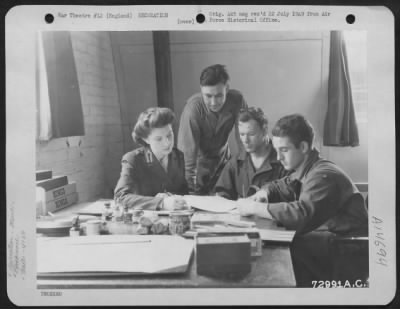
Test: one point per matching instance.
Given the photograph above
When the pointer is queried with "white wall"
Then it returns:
(281, 72)
(135, 70)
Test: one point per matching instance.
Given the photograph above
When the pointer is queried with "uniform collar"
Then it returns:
(150, 157)
(225, 110)
(270, 159)
(302, 171)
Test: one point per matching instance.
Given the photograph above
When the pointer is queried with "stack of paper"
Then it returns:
(210, 203)
(276, 235)
(113, 254)
(214, 219)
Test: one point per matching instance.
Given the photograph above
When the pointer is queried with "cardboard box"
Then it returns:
(56, 193)
(223, 256)
(43, 174)
(60, 203)
(52, 183)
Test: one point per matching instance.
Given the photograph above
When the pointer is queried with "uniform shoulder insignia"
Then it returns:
(148, 156)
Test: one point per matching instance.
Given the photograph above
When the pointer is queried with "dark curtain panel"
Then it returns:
(340, 123)
(64, 94)
(162, 60)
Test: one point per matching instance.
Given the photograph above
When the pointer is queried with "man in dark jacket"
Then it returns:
(318, 200)
(256, 164)
(205, 125)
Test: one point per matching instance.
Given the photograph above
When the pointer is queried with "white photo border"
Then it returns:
(22, 24)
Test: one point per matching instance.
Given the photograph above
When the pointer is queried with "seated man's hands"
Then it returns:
(174, 202)
(246, 207)
(249, 207)
(260, 196)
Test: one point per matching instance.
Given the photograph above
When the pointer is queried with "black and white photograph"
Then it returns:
(199, 163)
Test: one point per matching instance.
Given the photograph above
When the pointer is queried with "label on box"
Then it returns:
(58, 193)
(63, 202)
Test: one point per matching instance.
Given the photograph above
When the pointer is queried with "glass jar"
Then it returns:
(179, 222)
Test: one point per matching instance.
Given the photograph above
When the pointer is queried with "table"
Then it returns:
(273, 269)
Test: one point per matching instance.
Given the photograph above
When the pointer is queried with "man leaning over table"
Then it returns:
(256, 164)
(318, 200)
(206, 122)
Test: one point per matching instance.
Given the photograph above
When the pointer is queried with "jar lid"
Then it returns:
(180, 213)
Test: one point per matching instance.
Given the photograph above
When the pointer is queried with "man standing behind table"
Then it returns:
(206, 122)
(256, 164)
(318, 200)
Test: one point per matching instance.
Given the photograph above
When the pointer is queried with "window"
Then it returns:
(59, 101)
(356, 45)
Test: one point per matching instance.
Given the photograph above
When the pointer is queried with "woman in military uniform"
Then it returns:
(153, 176)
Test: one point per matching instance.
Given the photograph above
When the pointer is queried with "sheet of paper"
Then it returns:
(142, 254)
(210, 203)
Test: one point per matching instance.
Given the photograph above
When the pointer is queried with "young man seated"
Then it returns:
(256, 164)
(318, 200)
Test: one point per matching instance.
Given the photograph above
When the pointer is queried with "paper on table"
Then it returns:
(140, 254)
(210, 203)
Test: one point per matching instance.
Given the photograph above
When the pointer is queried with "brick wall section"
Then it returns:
(93, 160)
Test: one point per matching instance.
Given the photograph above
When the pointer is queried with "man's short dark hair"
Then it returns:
(296, 128)
(214, 75)
(256, 114)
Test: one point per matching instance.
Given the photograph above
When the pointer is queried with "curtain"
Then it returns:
(60, 78)
(340, 123)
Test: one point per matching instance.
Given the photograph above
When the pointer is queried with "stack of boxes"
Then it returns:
(226, 224)
(53, 192)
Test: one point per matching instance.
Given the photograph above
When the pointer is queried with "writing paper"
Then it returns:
(210, 203)
(137, 254)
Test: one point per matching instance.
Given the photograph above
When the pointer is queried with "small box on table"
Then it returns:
(223, 256)
(252, 233)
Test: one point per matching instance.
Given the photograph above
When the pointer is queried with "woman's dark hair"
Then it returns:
(153, 117)
(296, 127)
(256, 114)
(214, 75)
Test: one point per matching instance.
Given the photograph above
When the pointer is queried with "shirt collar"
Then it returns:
(302, 171)
(150, 156)
(270, 159)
